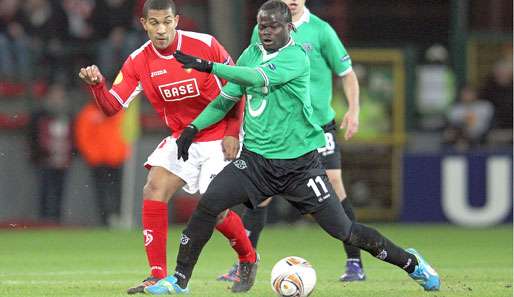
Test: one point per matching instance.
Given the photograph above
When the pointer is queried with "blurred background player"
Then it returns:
(100, 141)
(178, 96)
(51, 148)
(327, 56)
(279, 155)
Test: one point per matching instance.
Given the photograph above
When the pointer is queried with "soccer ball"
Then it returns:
(293, 277)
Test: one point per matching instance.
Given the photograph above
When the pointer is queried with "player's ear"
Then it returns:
(177, 18)
(142, 20)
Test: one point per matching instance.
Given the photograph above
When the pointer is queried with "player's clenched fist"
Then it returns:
(91, 75)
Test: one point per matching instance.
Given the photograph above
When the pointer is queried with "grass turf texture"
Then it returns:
(83, 262)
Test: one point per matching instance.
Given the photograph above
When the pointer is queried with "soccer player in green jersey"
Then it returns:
(279, 155)
(328, 56)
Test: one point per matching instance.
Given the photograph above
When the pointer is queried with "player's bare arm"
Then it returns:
(91, 75)
(351, 118)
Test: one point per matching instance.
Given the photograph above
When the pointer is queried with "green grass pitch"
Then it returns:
(84, 262)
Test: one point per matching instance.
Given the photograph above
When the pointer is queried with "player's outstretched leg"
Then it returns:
(335, 222)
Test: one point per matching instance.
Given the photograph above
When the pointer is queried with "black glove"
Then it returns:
(184, 142)
(193, 62)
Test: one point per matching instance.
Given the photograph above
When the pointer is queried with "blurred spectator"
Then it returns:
(45, 22)
(469, 120)
(498, 90)
(79, 18)
(112, 21)
(435, 87)
(100, 141)
(14, 52)
(50, 138)
(80, 48)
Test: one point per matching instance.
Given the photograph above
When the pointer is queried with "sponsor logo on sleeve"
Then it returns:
(119, 78)
(344, 58)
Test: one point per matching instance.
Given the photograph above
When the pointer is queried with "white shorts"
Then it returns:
(205, 161)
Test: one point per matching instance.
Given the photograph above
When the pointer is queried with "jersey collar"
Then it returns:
(305, 18)
(267, 56)
(176, 45)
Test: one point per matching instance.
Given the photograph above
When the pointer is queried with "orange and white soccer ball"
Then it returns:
(293, 277)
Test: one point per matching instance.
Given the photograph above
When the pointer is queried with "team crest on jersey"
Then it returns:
(180, 90)
(272, 66)
(119, 78)
(307, 47)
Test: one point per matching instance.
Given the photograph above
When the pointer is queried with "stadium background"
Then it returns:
(400, 173)
(410, 57)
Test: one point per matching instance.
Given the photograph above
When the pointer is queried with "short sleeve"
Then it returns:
(334, 52)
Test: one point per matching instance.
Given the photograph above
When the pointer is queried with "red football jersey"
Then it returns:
(178, 95)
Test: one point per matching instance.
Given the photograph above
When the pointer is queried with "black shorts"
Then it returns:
(302, 181)
(331, 153)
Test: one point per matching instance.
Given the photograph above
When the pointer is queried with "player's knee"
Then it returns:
(152, 191)
(209, 206)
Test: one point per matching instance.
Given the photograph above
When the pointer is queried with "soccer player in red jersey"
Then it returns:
(178, 95)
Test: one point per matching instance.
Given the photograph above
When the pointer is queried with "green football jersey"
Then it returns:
(277, 120)
(327, 56)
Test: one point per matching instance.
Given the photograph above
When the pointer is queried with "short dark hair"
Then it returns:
(278, 7)
(159, 5)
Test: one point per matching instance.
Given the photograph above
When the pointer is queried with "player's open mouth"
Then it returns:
(267, 41)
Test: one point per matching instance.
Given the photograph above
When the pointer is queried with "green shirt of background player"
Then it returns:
(328, 56)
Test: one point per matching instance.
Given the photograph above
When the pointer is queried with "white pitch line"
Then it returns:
(76, 272)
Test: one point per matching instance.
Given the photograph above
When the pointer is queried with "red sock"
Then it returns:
(155, 231)
(233, 229)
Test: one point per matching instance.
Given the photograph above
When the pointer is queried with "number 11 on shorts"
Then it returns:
(313, 184)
